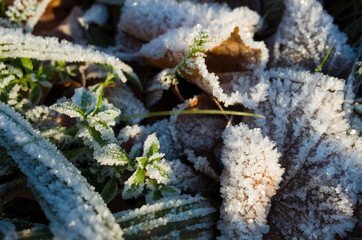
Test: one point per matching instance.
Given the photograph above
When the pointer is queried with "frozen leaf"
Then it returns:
(197, 132)
(84, 99)
(112, 155)
(148, 19)
(151, 145)
(123, 98)
(250, 177)
(14, 43)
(304, 115)
(305, 35)
(170, 218)
(68, 108)
(72, 206)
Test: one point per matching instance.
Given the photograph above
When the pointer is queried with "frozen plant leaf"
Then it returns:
(68, 108)
(148, 19)
(229, 51)
(151, 145)
(304, 116)
(170, 218)
(25, 13)
(134, 186)
(250, 177)
(84, 99)
(112, 155)
(123, 98)
(305, 35)
(14, 43)
(74, 209)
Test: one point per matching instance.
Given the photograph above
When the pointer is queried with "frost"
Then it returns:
(65, 196)
(305, 35)
(250, 178)
(14, 43)
(123, 98)
(97, 14)
(202, 165)
(111, 154)
(148, 19)
(28, 11)
(319, 192)
(175, 217)
(230, 40)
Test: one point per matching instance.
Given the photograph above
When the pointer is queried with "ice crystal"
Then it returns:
(319, 191)
(97, 14)
(250, 177)
(148, 19)
(305, 35)
(75, 211)
(123, 98)
(14, 43)
(184, 216)
(28, 11)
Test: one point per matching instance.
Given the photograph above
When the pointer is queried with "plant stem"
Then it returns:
(186, 112)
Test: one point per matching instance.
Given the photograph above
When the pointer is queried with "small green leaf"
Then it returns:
(68, 108)
(40, 70)
(110, 190)
(84, 99)
(111, 154)
(27, 64)
(151, 145)
(97, 136)
(138, 176)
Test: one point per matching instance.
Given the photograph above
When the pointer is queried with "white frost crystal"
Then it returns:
(14, 43)
(319, 192)
(305, 35)
(182, 214)
(250, 178)
(148, 19)
(123, 98)
(28, 11)
(74, 209)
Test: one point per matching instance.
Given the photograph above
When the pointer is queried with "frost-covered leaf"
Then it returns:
(111, 154)
(151, 145)
(305, 35)
(178, 217)
(250, 177)
(14, 43)
(84, 99)
(74, 209)
(160, 171)
(304, 116)
(123, 98)
(134, 186)
(68, 108)
(25, 13)
(148, 19)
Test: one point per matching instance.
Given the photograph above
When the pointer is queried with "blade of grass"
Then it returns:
(325, 59)
(187, 112)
